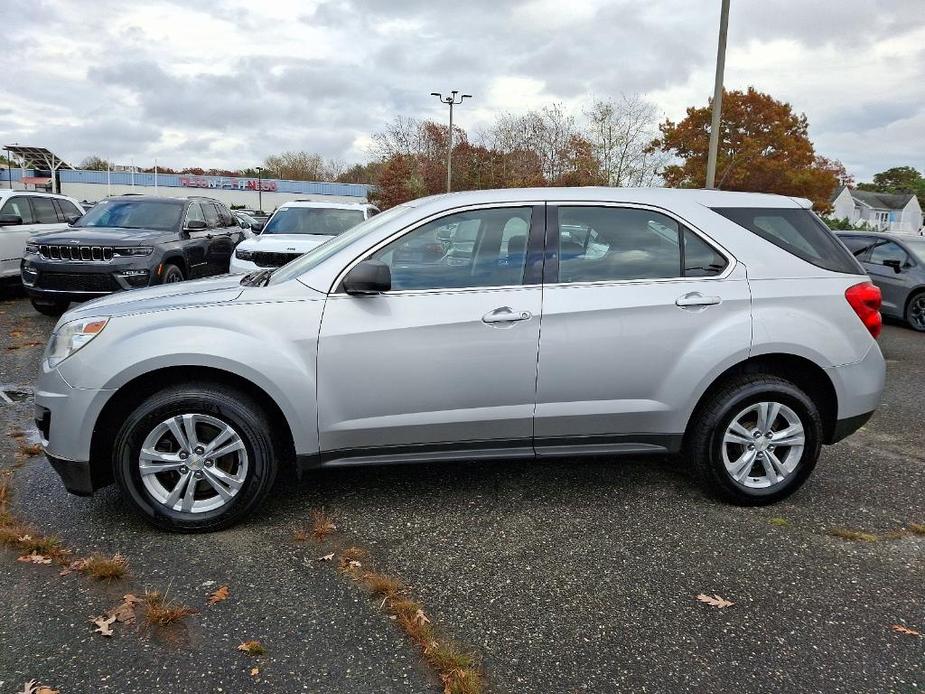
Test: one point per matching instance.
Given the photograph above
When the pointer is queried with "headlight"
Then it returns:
(32, 248)
(132, 250)
(243, 254)
(71, 336)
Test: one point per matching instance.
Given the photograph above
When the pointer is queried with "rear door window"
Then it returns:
(45, 212)
(858, 245)
(797, 231)
(19, 206)
(212, 218)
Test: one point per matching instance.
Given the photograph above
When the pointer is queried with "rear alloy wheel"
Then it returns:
(49, 307)
(757, 440)
(915, 312)
(171, 274)
(195, 458)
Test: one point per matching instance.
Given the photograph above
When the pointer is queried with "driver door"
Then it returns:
(445, 362)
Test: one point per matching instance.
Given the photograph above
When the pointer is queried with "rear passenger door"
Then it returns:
(197, 242)
(888, 265)
(638, 311)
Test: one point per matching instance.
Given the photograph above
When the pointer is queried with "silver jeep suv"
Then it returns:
(732, 327)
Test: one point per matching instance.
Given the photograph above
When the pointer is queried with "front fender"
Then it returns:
(244, 339)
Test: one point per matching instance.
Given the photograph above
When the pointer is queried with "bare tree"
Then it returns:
(296, 166)
(403, 136)
(621, 131)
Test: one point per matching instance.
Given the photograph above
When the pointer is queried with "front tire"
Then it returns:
(915, 312)
(50, 307)
(171, 274)
(195, 458)
(756, 441)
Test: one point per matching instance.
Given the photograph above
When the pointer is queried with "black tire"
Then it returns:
(709, 425)
(229, 405)
(915, 311)
(50, 307)
(172, 273)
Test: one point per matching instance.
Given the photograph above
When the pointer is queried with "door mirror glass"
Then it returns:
(196, 225)
(8, 220)
(368, 277)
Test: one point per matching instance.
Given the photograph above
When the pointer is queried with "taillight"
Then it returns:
(865, 299)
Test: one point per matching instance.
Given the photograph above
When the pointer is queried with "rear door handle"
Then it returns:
(695, 299)
(506, 314)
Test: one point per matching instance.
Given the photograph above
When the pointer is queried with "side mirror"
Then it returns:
(9, 220)
(895, 264)
(258, 227)
(368, 277)
(71, 218)
(196, 225)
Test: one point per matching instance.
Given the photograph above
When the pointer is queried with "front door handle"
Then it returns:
(695, 299)
(506, 314)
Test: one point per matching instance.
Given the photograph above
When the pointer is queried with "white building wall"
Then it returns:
(249, 198)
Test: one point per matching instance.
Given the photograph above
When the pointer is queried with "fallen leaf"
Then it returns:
(354, 564)
(327, 557)
(715, 601)
(47, 690)
(220, 594)
(900, 629)
(421, 618)
(103, 625)
(33, 687)
(76, 565)
(124, 612)
(255, 671)
(34, 558)
(252, 648)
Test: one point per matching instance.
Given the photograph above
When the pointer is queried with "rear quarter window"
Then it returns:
(797, 231)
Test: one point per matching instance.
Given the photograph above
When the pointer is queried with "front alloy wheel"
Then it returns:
(195, 457)
(915, 313)
(193, 463)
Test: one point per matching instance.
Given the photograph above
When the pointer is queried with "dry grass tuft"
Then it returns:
(779, 522)
(351, 561)
(300, 535)
(161, 611)
(917, 528)
(852, 535)
(382, 586)
(6, 486)
(252, 648)
(322, 525)
(104, 568)
(30, 450)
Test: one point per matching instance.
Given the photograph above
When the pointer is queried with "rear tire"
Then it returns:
(50, 307)
(915, 312)
(756, 441)
(175, 484)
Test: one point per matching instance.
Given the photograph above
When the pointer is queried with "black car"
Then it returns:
(127, 242)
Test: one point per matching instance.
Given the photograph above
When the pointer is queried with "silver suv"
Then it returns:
(732, 327)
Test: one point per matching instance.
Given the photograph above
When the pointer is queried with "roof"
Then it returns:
(874, 233)
(652, 196)
(328, 205)
(38, 157)
(882, 201)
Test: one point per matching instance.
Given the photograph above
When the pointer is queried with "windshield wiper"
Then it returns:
(260, 278)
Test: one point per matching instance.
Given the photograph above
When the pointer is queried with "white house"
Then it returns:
(898, 212)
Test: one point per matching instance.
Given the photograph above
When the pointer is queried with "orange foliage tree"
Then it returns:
(763, 147)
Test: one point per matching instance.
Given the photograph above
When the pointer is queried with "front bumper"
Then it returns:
(66, 417)
(60, 280)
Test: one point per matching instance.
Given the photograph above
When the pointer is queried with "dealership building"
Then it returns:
(40, 170)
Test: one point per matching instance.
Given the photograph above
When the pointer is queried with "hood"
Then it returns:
(211, 290)
(284, 243)
(103, 236)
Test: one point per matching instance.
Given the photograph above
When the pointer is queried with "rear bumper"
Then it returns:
(859, 386)
(845, 427)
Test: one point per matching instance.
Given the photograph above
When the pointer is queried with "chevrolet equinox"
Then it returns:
(731, 327)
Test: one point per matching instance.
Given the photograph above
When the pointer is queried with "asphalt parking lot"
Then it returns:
(564, 576)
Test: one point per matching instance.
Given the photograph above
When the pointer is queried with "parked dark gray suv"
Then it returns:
(128, 242)
(896, 264)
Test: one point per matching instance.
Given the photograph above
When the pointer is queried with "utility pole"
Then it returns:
(451, 102)
(259, 189)
(717, 94)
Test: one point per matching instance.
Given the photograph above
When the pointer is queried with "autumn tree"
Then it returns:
(763, 146)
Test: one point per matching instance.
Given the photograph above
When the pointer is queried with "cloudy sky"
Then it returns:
(227, 82)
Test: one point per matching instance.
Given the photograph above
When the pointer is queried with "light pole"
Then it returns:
(717, 94)
(451, 102)
(259, 189)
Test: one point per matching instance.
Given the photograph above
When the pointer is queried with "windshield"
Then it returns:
(133, 214)
(327, 221)
(318, 255)
(917, 246)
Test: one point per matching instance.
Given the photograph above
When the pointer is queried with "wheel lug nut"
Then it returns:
(208, 463)
(770, 434)
(199, 450)
(184, 455)
(751, 446)
(757, 434)
(184, 469)
(198, 475)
